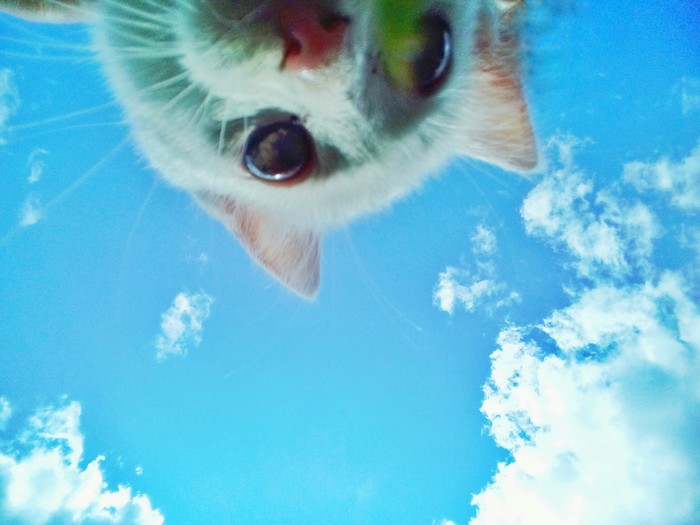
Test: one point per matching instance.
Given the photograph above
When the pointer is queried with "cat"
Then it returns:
(279, 117)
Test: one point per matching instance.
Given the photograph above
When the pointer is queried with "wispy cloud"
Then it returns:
(459, 287)
(598, 230)
(36, 165)
(680, 180)
(598, 404)
(41, 480)
(5, 412)
(601, 428)
(690, 238)
(690, 95)
(476, 286)
(182, 324)
(483, 240)
(31, 212)
(9, 100)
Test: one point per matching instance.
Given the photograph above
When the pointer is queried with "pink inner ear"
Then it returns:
(291, 254)
(502, 132)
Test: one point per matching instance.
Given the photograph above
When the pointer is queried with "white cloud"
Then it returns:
(9, 100)
(483, 240)
(5, 412)
(477, 287)
(31, 212)
(599, 405)
(181, 325)
(602, 431)
(42, 482)
(36, 165)
(599, 230)
(681, 180)
(690, 95)
(690, 238)
(460, 287)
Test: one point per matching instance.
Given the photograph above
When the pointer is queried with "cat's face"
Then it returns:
(280, 118)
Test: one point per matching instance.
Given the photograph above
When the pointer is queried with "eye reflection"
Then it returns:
(432, 65)
(279, 152)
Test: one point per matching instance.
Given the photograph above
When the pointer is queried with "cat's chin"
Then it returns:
(317, 203)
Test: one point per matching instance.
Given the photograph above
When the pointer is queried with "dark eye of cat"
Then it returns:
(279, 152)
(432, 65)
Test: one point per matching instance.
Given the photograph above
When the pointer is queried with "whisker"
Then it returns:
(158, 5)
(57, 45)
(134, 227)
(222, 136)
(85, 176)
(186, 4)
(139, 53)
(37, 134)
(29, 29)
(138, 23)
(199, 114)
(61, 118)
(32, 56)
(186, 91)
(147, 53)
(387, 307)
(168, 82)
(251, 16)
(159, 17)
(75, 7)
(130, 30)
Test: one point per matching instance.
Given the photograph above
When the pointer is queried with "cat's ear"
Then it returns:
(291, 254)
(502, 132)
(50, 11)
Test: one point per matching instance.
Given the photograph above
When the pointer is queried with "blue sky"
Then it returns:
(493, 350)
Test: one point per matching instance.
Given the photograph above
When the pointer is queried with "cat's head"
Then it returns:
(280, 118)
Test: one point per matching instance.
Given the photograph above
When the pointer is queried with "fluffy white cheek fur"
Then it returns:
(186, 159)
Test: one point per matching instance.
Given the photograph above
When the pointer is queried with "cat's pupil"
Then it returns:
(432, 65)
(279, 152)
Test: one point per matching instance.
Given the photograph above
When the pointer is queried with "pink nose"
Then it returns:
(309, 44)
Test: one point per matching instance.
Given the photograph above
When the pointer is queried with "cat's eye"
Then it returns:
(279, 152)
(432, 65)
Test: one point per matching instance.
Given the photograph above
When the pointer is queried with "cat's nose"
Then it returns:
(311, 39)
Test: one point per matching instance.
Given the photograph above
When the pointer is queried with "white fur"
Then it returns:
(183, 68)
(383, 165)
